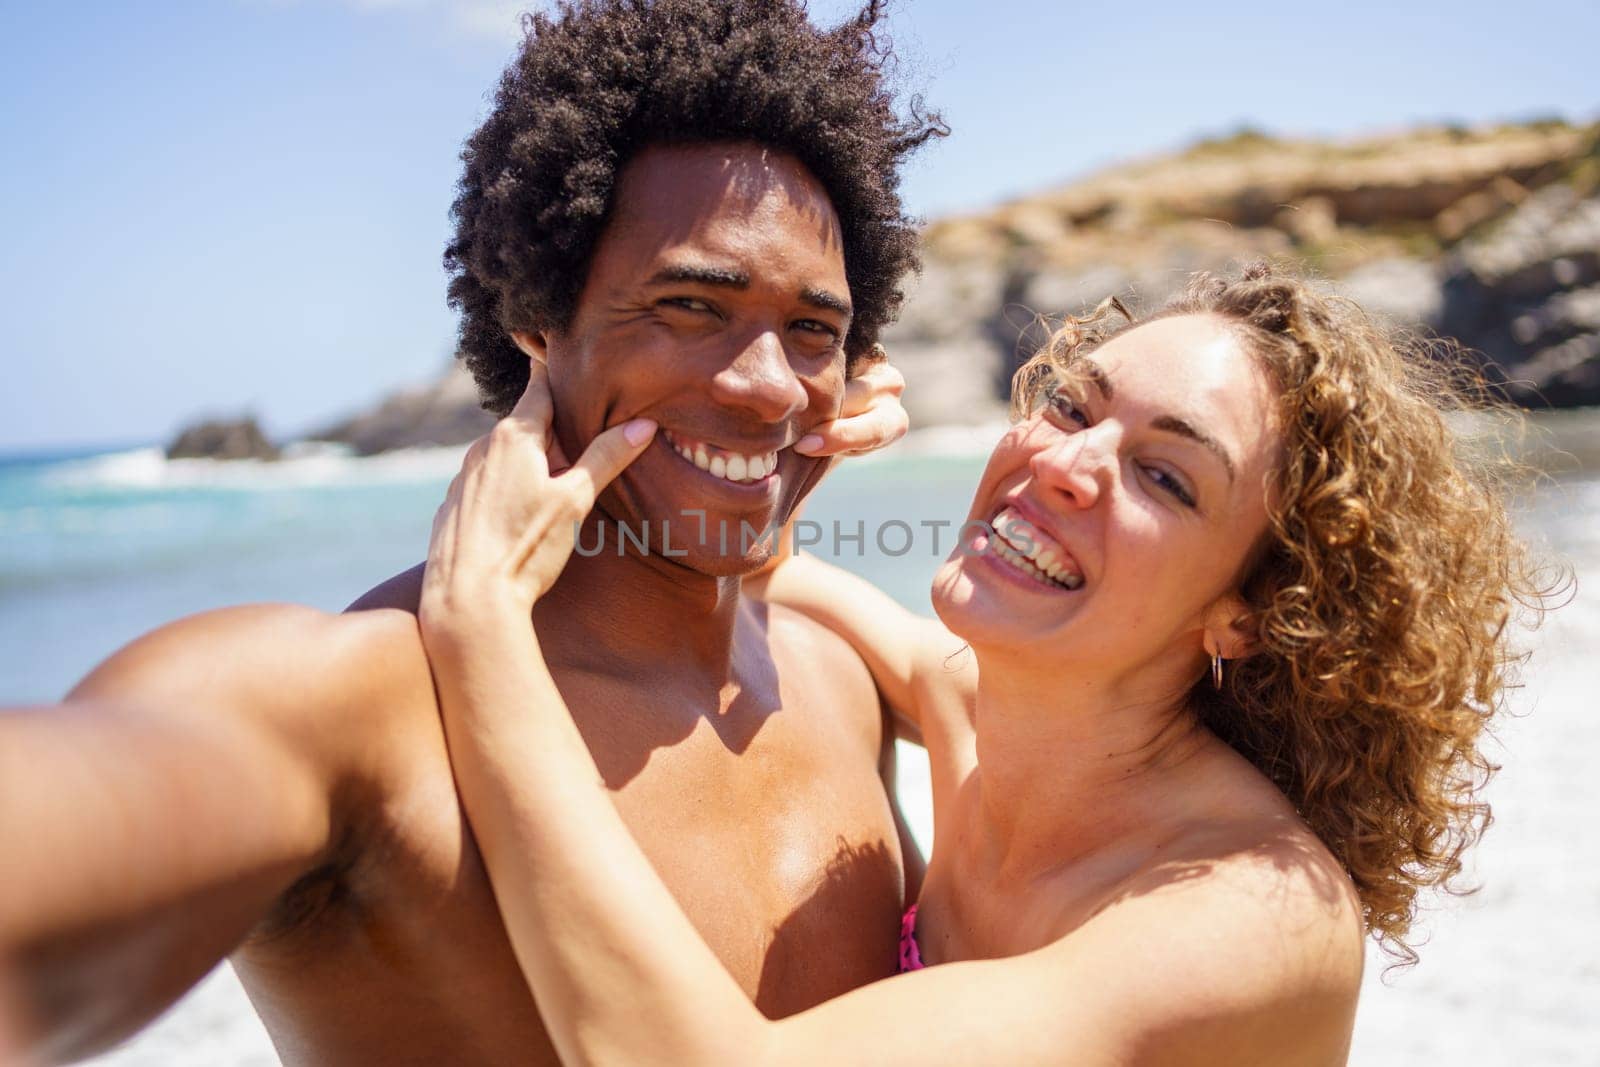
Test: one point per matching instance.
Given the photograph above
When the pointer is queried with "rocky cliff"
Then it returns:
(444, 413)
(1490, 235)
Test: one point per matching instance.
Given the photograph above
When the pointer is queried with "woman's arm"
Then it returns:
(1186, 971)
(918, 665)
(620, 974)
(913, 660)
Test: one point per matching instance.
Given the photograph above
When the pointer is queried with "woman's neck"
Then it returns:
(1068, 765)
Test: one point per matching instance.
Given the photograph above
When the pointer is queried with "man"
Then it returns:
(686, 208)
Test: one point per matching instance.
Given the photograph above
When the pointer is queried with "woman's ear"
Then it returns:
(1227, 633)
(532, 344)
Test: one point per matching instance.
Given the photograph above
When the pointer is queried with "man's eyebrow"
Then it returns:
(731, 278)
(726, 277)
(823, 299)
(1175, 425)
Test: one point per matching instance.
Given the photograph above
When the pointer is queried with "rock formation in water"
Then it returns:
(239, 438)
(444, 413)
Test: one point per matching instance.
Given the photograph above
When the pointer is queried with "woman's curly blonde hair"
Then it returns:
(1381, 596)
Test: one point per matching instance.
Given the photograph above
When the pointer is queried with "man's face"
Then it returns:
(716, 304)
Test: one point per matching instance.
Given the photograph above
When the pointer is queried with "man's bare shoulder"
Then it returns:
(306, 678)
(829, 666)
(403, 592)
(792, 635)
(335, 713)
(319, 654)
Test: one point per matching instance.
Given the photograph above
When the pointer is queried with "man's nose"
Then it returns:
(1079, 467)
(761, 380)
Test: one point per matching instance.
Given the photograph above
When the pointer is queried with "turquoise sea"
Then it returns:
(97, 548)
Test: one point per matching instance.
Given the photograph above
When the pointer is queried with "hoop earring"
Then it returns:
(1216, 672)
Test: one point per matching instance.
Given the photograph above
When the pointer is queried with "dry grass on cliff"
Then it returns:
(1336, 204)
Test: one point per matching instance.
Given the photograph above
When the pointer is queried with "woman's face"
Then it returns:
(1123, 509)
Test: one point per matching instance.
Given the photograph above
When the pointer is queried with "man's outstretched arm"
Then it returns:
(153, 818)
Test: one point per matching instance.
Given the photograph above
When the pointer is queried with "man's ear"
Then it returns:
(1226, 631)
(532, 345)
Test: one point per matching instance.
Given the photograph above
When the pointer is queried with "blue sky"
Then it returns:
(239, 205)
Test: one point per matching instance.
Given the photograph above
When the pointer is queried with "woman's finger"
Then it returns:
(605, 458)
(870, 418)
(855, 436)
(559, 463)
(874, 385)
(533, 411)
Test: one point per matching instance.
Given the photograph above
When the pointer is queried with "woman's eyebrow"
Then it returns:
(1174, 425)
(1097, 376)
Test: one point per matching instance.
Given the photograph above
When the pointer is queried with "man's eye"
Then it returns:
(689, 303)
(814, 326)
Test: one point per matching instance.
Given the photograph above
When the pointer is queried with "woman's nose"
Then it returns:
(1078, 466)
(761, 380)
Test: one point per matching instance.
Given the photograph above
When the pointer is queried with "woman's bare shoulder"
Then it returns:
(1242, 941)
(1241, 944)
(1253, 908)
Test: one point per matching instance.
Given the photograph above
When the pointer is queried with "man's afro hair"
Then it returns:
(599, 80)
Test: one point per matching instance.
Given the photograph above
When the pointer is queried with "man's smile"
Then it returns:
(735, 467)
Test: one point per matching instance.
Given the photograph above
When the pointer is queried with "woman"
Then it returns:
(1224, 628)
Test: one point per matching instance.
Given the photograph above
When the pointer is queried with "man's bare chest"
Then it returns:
(773, 831)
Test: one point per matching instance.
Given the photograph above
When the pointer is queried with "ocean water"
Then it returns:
(97, 549)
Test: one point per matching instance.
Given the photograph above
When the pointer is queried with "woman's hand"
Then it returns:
(508, 525)
(872, 416)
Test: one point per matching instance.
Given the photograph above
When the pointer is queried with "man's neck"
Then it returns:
(640, 613)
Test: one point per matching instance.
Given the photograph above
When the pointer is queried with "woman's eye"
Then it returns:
(1171, 485)
(1063, 406)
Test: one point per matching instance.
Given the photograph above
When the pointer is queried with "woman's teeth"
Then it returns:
(729, 466)
(1022, 544)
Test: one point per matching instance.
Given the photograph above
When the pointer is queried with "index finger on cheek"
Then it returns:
(534, 409)
(858, 394)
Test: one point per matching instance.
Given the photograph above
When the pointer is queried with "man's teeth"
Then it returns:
(1041, 559)
(729, 466)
